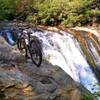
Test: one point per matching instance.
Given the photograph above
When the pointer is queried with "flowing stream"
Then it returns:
(63, 50)
(93, 51)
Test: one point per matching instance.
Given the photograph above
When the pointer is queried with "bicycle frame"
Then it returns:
(31, 47)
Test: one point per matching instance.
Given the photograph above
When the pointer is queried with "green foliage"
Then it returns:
(91, 96)
(97, 94)
(52, 12)
(7, 9)
(66, 12)
(87, 96)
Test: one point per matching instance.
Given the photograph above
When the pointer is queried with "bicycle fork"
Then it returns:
(28, 45)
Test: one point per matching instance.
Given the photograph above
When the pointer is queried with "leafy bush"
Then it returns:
(91, 96)
(7, 9)
(87, 96)
(66, 12)
(52, 12)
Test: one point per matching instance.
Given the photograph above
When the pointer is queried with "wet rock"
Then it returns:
(18, 85)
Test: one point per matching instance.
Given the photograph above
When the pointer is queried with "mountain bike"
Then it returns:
(31, 46)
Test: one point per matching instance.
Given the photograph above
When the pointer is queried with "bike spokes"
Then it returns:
(21, 45)
(36, 54)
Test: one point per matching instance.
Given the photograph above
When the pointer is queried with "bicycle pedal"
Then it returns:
(28, 57)
(23, 53)
(29, 60)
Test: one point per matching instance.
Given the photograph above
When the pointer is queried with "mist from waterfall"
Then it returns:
(63, 50)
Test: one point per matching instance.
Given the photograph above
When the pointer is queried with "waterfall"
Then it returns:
(63, 50)
(93, 51)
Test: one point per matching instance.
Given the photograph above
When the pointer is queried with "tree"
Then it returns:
(7, 9)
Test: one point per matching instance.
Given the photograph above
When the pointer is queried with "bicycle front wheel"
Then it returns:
(36, 52)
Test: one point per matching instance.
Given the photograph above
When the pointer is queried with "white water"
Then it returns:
(64, 51)
(93, 51)
(88, 30)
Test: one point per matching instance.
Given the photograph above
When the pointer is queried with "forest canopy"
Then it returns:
(52, 12)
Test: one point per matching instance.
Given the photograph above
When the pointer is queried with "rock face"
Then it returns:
(22, 80)
(18, 83)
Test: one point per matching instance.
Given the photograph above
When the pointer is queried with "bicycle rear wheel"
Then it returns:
(22, 45)
(36, 52)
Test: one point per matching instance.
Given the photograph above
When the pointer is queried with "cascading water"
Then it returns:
(93, 51)
(64, 50)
